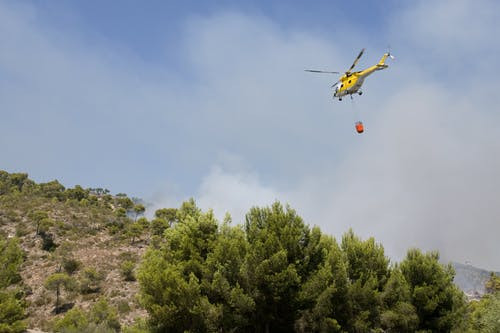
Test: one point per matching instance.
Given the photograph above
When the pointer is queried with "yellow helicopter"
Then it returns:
(350, 82)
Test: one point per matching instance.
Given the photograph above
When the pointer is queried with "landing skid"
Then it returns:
(350, 95)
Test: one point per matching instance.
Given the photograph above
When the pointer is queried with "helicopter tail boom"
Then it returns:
(381, 64)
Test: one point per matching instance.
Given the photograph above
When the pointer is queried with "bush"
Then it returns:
(128, 256)
(48, 243)
(123, 306)
(103, 314)
(90, 281)
(127, 270)
(71, 265)
(74, 320)
(158, 226)
(21, 230)
(57, 281)
(100, 319)
(10, 261)
(11, 313)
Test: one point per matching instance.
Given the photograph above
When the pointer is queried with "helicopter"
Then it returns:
(350, 82)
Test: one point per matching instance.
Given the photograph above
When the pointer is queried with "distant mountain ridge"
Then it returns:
(471, 279)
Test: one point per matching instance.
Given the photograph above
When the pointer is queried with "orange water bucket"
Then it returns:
(359, 127)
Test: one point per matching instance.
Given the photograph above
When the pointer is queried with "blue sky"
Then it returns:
(145, 28)
(169, 100)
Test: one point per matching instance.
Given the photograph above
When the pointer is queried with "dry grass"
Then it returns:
(92, 245)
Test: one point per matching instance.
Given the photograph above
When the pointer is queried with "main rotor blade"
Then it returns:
(356, 60)
(316, 71)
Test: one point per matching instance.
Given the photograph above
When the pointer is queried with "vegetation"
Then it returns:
(101, 318)
(12, 313)
(187, 272)
(484, 314)
(276, 274)
(56, 282)
(127, 270)
(12, 304)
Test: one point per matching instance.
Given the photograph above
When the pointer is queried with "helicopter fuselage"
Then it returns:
(350, 83)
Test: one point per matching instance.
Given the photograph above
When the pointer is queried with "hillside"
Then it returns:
(86, 233)
(83, 260)
(471, 279)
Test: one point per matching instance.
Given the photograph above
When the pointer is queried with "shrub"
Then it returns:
(158, 226)
(10, 261)
(123, 306)
(48, 243)
(11, 313)
(74, 320)
(21, 230)
(127, 270)
(103, 314)
(90, 281)
(71, 265)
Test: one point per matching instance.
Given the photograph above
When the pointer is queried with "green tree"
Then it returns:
(102, 318)
(12, 182)
(484, 314)
(365, 259)
(57, 281)
(139, 209)
(172, 300)
(12, 313)
(493, 284)
(134, 231)
(158, 226)
(367, 269)
(127, 270)
(11, 259)
(18, 180)
(71, 265)
(399, 314)
(439, 304)
(143, 222)
(75, 320)
(223, 281)
(12, 304)
(38, 216)
(175, 283)
(52, 189)
(103, 314)
(121, 212)
(44, 226)
(167, 214)
(90, 281)
(277, 256)
(125, 203)
(77, 193)
(325, 294)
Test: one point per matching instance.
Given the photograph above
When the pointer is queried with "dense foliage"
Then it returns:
(12, 305)
(485, 314)
(275, 274)
(100, 318)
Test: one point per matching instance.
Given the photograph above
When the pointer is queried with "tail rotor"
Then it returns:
(389, 52)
